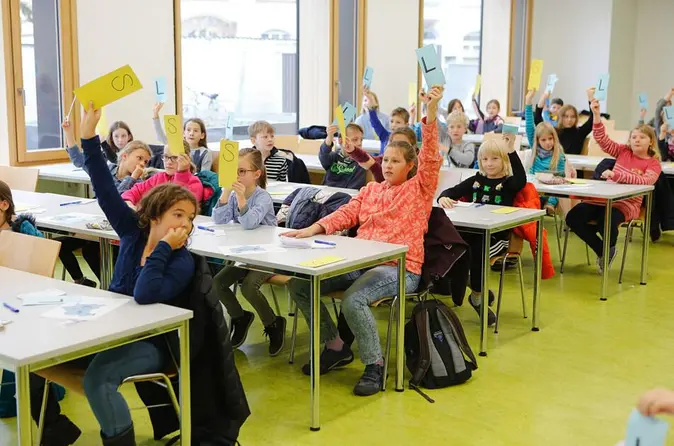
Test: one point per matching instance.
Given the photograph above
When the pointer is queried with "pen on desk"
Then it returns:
(70, 202)
(204, 228)
(323, 242)
(10, 308)
(481, 204)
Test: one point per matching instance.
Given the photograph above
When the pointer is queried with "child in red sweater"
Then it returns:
(394, 211)
(636, 163)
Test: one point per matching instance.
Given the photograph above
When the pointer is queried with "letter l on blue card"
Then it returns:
(602, 86)
(669, 115)
(643, 101)
(430, 66)
(160, 89)
(367, 78)
(645, 431)
(349, 113)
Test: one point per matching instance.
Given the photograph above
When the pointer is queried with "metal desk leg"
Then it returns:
(400, 330)
(24, 422)
(607, 245)
(647, 234)
(184, 383)
(315, 352)
(485, 293)
(537, 274)
(106, 262)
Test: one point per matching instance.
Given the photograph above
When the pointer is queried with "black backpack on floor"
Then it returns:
(436, 348)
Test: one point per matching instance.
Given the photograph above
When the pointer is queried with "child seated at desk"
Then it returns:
(249, 204)
(636, 163)
(340, 169)
(461, 153)
(373, 163)
(119, 135)
(490, 123)
(276, 164)
(501, 176)
(398, 120)
(395, 211)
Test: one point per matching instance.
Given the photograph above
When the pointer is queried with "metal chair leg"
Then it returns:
(566, 242)
(627, 241)
(559, 242)
(500, 293)
(273, 295)
(334, 306)
(387, 352)
(524, 300)
(292, 308)
(587, 254)
(43, 409)
(293, 338)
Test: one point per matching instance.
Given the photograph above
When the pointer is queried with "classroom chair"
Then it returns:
(514, 251)
(19, 251)
(20, 178)
(289, 142)
(630, 225)
(309, 146)
(512, 120)
(499, 136)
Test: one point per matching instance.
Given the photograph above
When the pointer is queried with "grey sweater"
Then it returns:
(461, 154)
(206, 162)
(259, 210)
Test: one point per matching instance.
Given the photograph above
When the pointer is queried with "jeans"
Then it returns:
(579, 218)
(361, 288)
(250, 288)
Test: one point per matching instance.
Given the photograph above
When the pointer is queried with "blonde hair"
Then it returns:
(188, 152)
(647, 130)
(496, 147)
(259, 127)
(543, 129)
(457, 117)
(134, 145)
(254, 157)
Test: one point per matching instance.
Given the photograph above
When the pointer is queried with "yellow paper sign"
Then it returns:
(505, 210)
(228, 163)
(478, 84)
(535, 74)
(108, 88)
(577, 181)
(102, 128)
(412, 94)
(172, 124)
(339, 116)
(321, 261)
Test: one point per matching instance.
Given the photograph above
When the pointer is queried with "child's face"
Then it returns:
(492, 165)
(120, 137)
(193, 134)
(394, 166)
(397, 123)
(356, 137)
(456, 131)
(457, 107)
(247, 174)
(492, 110)
(554, 109)
(170, 162)
(569, 119)
(130, 161)
(180, 215)
(640, 143)
(546, 141)
(366, 103)
(263, 141)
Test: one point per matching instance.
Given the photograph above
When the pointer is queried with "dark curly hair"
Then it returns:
(159, 200)
(6, 195)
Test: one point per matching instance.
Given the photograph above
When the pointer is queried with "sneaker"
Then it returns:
(240, 327)
(549, 210)
(491, 317)
(61, 432)
(86, 282)
(370, 382)
(276, 332)
(331, 359)
(600, 260)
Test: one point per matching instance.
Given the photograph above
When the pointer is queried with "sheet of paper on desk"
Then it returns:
(645, 431)
(463, 204)
(505, 210)
(298, 243)
(48, 293)
(22, 207)
(250, 249)
(85, 308)
(73, 217)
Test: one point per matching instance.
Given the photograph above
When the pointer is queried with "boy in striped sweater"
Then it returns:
(261, 134)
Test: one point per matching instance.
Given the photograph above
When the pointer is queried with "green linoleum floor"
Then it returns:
(572, 383)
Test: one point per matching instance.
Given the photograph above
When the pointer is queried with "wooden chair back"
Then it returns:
(309, 146)
(20, 178)
(27, 253)
(512, 120)
(289, 142)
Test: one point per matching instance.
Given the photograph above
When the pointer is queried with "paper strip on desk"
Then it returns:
(321, 261)
(49, 292)
(250, 249)
(86, 308)
(505, 210)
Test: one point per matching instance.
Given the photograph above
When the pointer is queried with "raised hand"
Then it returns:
(90, 119)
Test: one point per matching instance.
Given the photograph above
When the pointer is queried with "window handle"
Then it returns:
(21, 92)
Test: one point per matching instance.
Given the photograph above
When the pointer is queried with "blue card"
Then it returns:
(552, 80)
(430, 66)
(643, 101)
(349, 113)
(509, 128)
(229, 126)
(645, 431)
(602, 86)
(367, 78)
(669, 115)
(160, 89)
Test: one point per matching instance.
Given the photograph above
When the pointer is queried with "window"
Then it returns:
(456, 30)
(239, 58)
(40, 69)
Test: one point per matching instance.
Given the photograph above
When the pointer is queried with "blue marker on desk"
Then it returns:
(10, 308)
(204, 228)
(70, 202)
(323, 242)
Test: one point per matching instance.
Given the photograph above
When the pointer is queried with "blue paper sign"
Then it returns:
(509, 128)
(669, 115)
(160, 89)
(643, 101)
(349, 113)
(430, 66)
(645, 431)
(602, 87)
(367, 78)
(552, 80)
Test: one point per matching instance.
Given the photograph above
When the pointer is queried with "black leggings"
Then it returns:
(587, 221)
(476, 246)
(90, 252)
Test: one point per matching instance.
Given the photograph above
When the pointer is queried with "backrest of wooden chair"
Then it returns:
(499, 137)
(216, 161)
(515, 244)
(309, 146)
(20, 178)
(289, 142)
(512, 120)
(27, 253)
(619, 136)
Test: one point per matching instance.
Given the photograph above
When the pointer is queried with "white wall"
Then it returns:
(314, 107)
(495, 53)
(621, 64)
(143, 39)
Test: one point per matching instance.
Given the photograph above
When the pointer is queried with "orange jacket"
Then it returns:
(528, 198)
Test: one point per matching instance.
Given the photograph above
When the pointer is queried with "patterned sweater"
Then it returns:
(396, 214)
(628, 169)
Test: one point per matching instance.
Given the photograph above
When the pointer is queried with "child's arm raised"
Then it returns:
(662, 103)
(529, 118)
(599, 132)
(430, 160)
(538, 116)
(326, 155)
(378, 127)
(158, 129)
(73, 149)
(519, 178)
(365, 161)
(586, 128)
(476, 109)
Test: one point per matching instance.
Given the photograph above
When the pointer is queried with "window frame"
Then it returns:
(11, 29)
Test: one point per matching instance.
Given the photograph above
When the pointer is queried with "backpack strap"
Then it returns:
(463, 342)
(421, 321)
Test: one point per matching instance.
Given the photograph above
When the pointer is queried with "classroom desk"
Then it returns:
(610, 193)
(357, 253)
(482, 220)
(32, 342)
(64, 172)
(279, 190)
(590, 163)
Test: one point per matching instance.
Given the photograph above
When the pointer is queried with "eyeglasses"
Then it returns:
(242, 172)
(173, 159)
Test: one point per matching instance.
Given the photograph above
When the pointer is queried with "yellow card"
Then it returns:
(102, 128)
(535, 74)
(412, 94)
(321, 261)
(577, 181)
(173, 126)
(478, 84)
(505, 210)
(339, 116)
(228, 163)
(108, 88)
